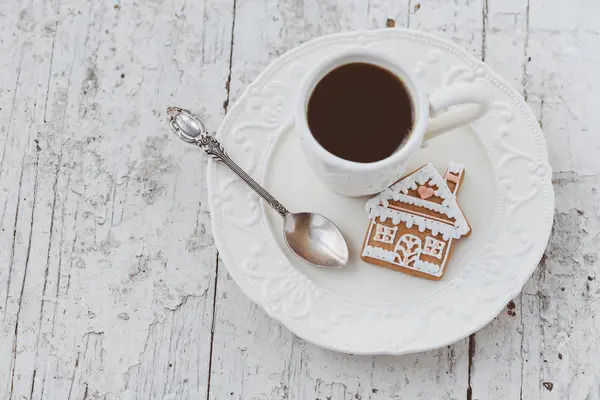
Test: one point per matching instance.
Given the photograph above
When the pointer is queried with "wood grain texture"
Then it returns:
(499, 345)
(110, 284)
(542, 348)
(108, 264)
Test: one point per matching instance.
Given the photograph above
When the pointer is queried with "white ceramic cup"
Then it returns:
(469, 102)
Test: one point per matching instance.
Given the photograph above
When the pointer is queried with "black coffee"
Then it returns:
(360, 112)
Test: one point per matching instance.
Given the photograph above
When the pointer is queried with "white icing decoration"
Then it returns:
(380, 254)
(433, 247)
(450, 177)
(455, 168)
(409, 219)
(385, 234)
(408, 249)
(454, 174)
(430, 205)
(391, 257)
(428, 268)
(377, 206)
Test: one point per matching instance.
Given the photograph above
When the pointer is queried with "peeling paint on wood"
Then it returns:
(104, 225)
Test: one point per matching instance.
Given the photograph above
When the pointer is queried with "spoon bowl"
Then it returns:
(315, 239)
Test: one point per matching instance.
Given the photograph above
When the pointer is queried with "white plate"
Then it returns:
(507, 197)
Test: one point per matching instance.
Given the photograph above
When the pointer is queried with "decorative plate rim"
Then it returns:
(385, 346)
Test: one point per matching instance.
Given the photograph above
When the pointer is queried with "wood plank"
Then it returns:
(255, 357)
(546, 350)
(497, 361)
(460, 21)
(23, 196)
(113, 269)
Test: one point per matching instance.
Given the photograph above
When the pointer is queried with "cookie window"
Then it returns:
(385, 234)
(433, 247)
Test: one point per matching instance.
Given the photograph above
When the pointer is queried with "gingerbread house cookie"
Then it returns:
(415, 222)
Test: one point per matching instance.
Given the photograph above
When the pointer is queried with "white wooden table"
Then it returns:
(110, 284)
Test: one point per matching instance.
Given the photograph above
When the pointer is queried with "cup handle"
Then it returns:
(473, 100)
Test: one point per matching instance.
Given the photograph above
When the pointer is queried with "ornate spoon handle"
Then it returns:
(189, 128)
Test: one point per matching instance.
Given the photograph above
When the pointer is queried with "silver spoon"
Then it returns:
(312, 237)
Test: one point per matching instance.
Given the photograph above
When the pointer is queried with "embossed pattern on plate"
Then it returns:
(509, 201)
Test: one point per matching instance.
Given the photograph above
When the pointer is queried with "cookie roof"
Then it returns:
(378, 206)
